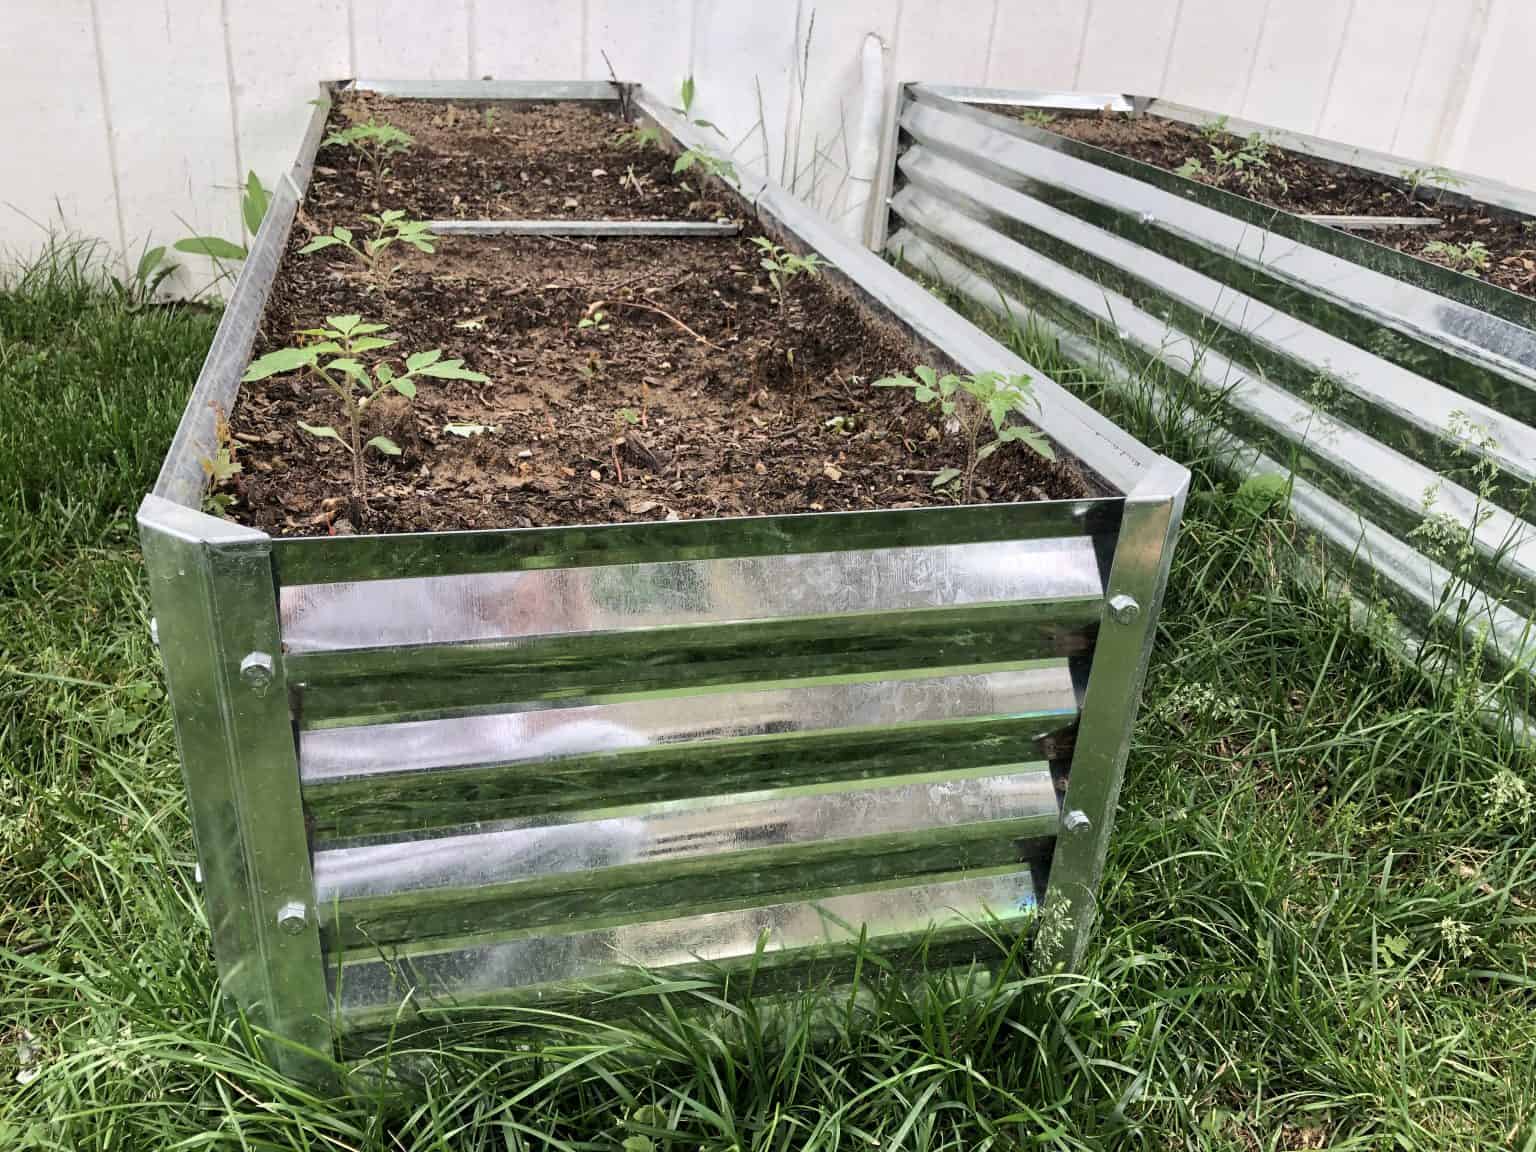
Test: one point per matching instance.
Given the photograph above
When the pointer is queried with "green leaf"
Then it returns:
(346, 325)
(280, 361)
(927, 375)
(149, 262)
(369, 343)
(384, 372)
(945, 476)
(687, 93)
(422, 245)
(348, 365)
(318, 243)
(416, 361)
(213, 247)
(404, 386)
(322, 431)
(987, 449)
(896, 382)
(385, 445)
(684, 162)
(253, 205)
(342, 234)
(924, 394)
(453, 370)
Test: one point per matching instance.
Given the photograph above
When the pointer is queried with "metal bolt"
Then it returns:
(197, 873)
(154, 632)
(1124, 608)
(256, 671)
(1076, 821)
(1148, 219)
(291, 917)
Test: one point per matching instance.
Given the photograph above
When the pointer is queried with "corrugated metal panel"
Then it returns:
(1372, 376)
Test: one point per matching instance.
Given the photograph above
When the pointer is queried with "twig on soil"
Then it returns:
(662, 312)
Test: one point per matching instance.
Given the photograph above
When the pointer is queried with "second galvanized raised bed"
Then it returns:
(1397, 393)
(441, 771)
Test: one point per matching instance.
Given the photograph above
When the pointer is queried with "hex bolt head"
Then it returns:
(256, 671)
(1124, 609)
(1076, 821)
(154, 632)
(1148, 219)
(292, 917)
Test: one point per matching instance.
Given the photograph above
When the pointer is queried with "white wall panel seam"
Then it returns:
(1253, 59)
(104, 95)
(234, 108)
(1173, 39)
(1333, 72)
(1082, 43)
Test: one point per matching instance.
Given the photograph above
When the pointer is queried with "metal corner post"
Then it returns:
(216, 611)
(1132, 596)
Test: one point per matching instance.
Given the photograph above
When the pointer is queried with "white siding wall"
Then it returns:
(135, 121)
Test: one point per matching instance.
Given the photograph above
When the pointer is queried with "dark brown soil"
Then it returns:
(683, 405)
(1303, 184)
(561, 161)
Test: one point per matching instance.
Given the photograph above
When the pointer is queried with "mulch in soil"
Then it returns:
(1303, 184)
(494, 161)
(680, 402)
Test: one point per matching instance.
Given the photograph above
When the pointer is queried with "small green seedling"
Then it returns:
(1472, 258)
(641, 136)
(375, 143)
(1211, 129)
(706, 162)
(784, 268)
(389, 227)
(490, 119)
(1440, 178)
(1039, 117)
(970, 404)
(335, 354)
(595, 318)
(1259, 495)
(1244, 163)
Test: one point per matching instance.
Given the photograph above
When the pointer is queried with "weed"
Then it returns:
(375, 143)
(138, 290)
(1260, 494)
(1472, 258)
(1039, 117)
(784, 268)
(221, 467)
(1214, 128)
(1439, 178)
(970, 404)
(595, 319)
(389, 227)
(333, 354)
(254, 201)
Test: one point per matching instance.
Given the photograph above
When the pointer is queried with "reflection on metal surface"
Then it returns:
(550, 734)
(507, 605)
(530, 758)
(1400, 398)
(1358, 252)
(712, 825)
(1351, 463)
(370, 986)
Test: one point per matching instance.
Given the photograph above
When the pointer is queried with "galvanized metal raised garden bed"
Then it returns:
(1400, 395)
(467, 769)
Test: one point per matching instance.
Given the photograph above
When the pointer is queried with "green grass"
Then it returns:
(1318, 910)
